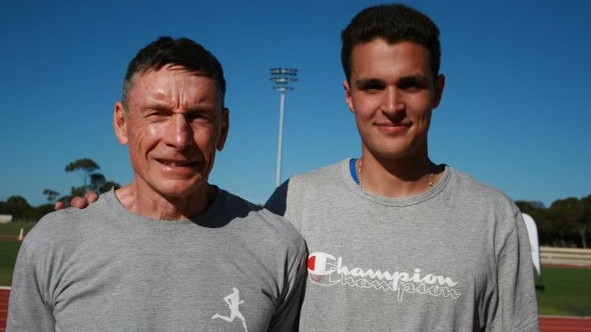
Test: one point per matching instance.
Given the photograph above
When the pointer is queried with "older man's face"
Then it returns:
(174, 123)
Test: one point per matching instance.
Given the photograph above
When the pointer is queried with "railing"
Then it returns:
(565, 256)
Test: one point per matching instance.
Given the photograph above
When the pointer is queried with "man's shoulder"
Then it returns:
(262, 218)
(65, 225)
(273, 230)
(320, 173)
(468, 180)
(476, 190)
(322, 178)
(280, 226)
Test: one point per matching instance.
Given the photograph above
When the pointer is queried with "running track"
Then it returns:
(548, 323)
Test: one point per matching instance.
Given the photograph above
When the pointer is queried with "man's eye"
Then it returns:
(156, 115)
(413, 85)
(199, 118)
(409, 86)
(372, 87)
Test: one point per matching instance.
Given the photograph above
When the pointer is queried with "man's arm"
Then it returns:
(517, 293)
(27, 309)
(287, 312)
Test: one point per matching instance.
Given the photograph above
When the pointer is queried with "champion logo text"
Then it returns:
(327, 270)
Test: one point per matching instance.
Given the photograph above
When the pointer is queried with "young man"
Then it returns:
(397, 242)
(168, 252)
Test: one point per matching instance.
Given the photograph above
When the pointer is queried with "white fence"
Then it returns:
(565, 256)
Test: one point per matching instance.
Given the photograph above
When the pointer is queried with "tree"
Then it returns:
(85, 168)
(18, 207)
(565, 215)
(78, 191)
(107, 186)
(539, 214)
(584, 224)
(51, 195)
(42, 210)
(99, 184)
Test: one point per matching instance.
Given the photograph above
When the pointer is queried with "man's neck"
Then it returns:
(396, 178)
(150, 204)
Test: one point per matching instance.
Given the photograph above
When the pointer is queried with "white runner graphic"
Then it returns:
(233, 301)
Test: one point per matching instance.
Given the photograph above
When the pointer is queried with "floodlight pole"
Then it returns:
(280, 139)
(281, 78)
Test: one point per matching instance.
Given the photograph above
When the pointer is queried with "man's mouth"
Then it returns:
(177, 163)
(394, 124)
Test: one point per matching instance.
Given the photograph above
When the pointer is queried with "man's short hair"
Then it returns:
(181, 52)
(393, 23)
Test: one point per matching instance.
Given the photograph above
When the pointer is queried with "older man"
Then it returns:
(169, 251)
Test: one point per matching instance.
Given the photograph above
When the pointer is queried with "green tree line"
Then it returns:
(88, 171)
(565, 223)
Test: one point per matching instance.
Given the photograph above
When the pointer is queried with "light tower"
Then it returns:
(282, 78)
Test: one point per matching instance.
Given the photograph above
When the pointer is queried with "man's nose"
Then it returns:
(392, 101)
(181, 131)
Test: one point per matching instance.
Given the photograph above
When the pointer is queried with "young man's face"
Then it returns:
(392, 93)
(174, 122)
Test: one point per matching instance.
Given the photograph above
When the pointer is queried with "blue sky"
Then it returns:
(515, 112)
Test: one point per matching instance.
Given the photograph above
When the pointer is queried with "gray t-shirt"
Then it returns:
(235, 267)
(455, 258)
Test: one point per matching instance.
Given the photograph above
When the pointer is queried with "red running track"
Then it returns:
(547, 323)
(3, 308)
(565, 324)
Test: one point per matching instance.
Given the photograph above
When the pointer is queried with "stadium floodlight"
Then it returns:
(282, 79)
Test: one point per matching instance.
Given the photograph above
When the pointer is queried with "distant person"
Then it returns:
(398, 242)
(164, 252)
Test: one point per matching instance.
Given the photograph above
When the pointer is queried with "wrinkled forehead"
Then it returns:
(172, 77)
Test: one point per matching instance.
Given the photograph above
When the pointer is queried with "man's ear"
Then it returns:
(120, 123)
(438, 93)
(348, 95)
(225, 128)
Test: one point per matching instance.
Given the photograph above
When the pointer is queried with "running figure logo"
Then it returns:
(233, 301)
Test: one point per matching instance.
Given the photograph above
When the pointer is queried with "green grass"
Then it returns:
(12, 229)
(567, 292)
(8, 251)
